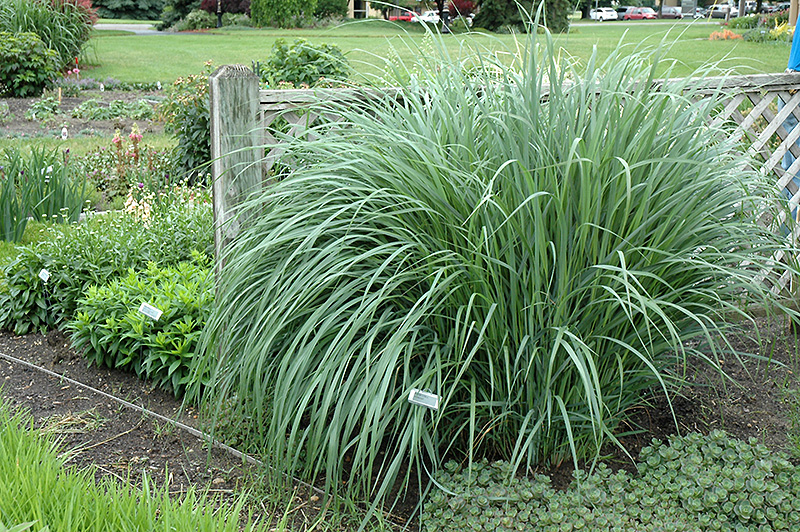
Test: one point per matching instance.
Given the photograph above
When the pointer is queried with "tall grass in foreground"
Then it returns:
(37, 487)
(536, 246)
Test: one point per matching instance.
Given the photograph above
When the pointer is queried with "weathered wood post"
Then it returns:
(236, 149)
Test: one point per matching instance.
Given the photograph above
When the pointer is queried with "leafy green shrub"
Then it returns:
(765, 33)
(109, 329)
(27, 66)
(516, 255)
(331, 8)
(236, 19)
(186, 114)
(175, 10)
(281, 13)
(304, 63)
(499, 15)
(197, 19)
(745, 22)
(43, 109)
(695, 482)
(63, 25)
(96, 110)
(94, 253)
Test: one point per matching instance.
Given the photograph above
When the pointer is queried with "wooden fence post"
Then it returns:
(236, 149)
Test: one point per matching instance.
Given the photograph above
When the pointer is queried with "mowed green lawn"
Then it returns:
(368, 44)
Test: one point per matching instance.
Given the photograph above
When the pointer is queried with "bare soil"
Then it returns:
(14, 124)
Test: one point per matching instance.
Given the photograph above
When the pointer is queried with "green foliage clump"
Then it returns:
(43, 185)
(63, 25)
(186, 114)
(281, 13)
(94, 253)
(27, 65)
(37, 485)
(5, 113)
(94, 109)
(175, 10)
(43, 109)
(304, 63)
(129, 9)
(695, 482)
(197, 19)
(745, 22)
(503, 237)
(129, 164)
(501, 15)
(331, 8)
(109, 329)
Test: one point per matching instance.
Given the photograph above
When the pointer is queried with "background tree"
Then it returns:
(228, 6)
(175, 10)
(331, 8)
(131, 9)
(280, 13)
(495, 14)
(461, 7)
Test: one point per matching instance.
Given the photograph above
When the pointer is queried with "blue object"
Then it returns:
(794, 53)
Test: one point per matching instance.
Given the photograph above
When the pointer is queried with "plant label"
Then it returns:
(44, 275)
(426, 399)
(150, 311)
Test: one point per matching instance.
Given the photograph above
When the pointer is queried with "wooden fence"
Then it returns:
(244, 148)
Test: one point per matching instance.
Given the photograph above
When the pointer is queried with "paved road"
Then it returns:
(138, 29)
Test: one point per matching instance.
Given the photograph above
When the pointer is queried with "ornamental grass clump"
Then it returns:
(535, 246)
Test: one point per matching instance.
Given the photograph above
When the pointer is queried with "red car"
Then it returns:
(405, 16)
(640, 13)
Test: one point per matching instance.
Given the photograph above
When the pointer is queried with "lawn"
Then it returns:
(367, 44)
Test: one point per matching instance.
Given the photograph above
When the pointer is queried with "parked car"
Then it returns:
(670, 12)
(723, 11)
(621, 10)
(640, 13)
(405, 16)
(603, 13)
(431, 17)
(700, 12)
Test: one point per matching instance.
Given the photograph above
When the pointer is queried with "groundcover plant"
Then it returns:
(535, 245)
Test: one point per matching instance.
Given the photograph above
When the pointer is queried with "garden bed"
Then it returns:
(759, 401)
(13, 122)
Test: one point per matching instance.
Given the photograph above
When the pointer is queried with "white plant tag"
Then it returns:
(426, 399)
(150, 311)
(44, 275)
